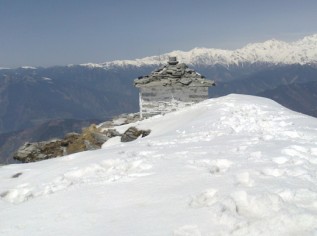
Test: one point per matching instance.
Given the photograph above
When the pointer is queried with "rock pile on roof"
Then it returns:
(173, 73)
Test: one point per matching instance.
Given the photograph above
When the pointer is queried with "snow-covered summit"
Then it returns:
(272, 51)
(235, 165)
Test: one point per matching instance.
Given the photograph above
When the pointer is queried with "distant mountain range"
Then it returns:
(301, 52)
(31, 97)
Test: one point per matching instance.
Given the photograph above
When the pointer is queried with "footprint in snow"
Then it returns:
(275, 172)
(301, 155)
(97, 173)
(257, 205)
(204, 199)
(304, 197)
(244, 179)
(217, 166)
(297, 151)
(256, 156)
(313, 151)
(280, 160)
(295, 171)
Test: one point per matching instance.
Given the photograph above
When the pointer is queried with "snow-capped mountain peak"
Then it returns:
(310, 39)
(274, 51)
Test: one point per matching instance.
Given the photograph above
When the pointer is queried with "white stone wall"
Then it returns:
(164, 99)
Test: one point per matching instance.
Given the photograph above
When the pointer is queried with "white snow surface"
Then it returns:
(235, 165)
(303, 51)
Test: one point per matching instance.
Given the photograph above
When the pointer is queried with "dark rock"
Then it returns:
(110, 133)
(4, 194)
(130, 134)
(145, 132)
(133, 133)
(99, 138)
(16, 175)
(31, 152)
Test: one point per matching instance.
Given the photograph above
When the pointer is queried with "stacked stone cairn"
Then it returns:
(173, 73)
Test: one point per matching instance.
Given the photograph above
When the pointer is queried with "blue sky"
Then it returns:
(60, 32)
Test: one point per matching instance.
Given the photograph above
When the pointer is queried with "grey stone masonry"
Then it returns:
(171, 87)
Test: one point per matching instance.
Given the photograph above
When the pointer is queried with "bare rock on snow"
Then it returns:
(90, 138)
(38, 151)
(133, 133)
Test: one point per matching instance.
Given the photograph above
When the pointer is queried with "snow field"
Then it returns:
(236, 165)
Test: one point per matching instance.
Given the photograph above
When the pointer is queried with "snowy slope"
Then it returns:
(236, 165)
(272, 51)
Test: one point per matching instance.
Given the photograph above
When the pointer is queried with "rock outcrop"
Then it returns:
(31, 152)
(91, 138)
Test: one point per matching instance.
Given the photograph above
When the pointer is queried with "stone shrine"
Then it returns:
(171, 87)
